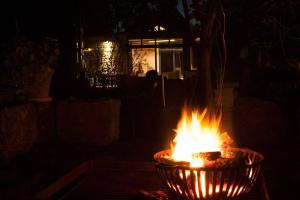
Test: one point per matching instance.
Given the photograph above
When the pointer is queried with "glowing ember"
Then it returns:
(196, 133)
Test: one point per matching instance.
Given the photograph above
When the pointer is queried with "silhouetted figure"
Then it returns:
(151, 78)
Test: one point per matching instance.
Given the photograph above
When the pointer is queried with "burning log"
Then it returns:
(210, 159)
(172, 162)
(234, 160)
(216, 160)
(207, 155)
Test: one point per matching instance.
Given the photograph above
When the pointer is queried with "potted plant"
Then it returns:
(33, 64)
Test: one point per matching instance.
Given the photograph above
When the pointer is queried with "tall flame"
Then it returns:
(200, 143)
(198, 132)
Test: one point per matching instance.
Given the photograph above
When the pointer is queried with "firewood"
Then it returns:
(207, 155)
(170, 161)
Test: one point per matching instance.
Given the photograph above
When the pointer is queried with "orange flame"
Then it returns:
(198, 132)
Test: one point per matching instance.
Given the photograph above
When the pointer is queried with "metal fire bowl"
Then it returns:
(214, 183)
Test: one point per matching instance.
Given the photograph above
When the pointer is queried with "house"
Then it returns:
(162, 45)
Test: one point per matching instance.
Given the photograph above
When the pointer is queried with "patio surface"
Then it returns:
(121, 170)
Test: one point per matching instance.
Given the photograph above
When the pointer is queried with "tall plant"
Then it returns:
(31, 66)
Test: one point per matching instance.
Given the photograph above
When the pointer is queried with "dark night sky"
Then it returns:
(39, 18)
(36, 19)
(27, 17)
(58, 18)
(53, 18)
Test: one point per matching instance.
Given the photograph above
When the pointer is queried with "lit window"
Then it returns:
(143, 60)
(162, 41)
(176, 41)
(148, 41)
(134, 42)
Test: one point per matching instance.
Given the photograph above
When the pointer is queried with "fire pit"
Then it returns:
(201, 164)
(223, 182)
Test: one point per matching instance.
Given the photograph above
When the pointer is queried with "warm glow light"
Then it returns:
(159, 28)
(88, 49)
(197, 39)
(161, 41)
(196, 133)
(107, 58)
(107, 47)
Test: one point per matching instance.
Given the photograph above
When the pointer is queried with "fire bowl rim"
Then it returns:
(260, 157)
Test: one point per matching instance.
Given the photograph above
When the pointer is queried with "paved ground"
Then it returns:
(113, 169)
(280, 168)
